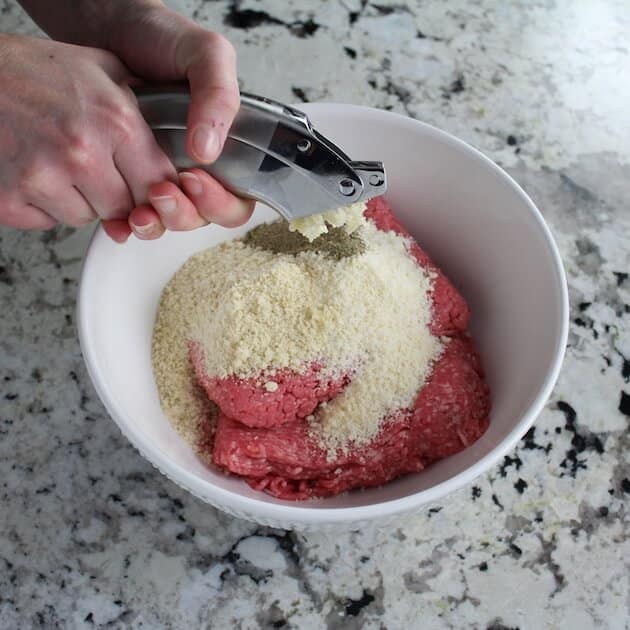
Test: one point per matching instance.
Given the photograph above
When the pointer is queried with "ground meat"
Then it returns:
(250, 402)
(450, 413)
(263, 435)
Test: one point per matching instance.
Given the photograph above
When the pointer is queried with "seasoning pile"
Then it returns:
(313, 364)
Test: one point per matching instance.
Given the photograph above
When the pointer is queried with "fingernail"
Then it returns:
(205, 143)
(165, 204)
(191, 184)
(235, 214)
(240, 212)
(144, 229)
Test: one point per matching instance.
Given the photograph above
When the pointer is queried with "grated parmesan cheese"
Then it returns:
(253, 311)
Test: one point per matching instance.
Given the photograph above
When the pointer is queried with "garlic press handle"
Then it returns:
(272, 154)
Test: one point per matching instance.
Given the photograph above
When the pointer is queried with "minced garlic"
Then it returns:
(254, 311)
(350, 217)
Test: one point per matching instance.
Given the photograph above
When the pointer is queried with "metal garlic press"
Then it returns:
(272, 154)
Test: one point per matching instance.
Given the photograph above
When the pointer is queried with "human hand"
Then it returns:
(158, 44)
(74, 145)
(75, 148)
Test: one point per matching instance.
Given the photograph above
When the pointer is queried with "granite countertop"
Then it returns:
(92, 536)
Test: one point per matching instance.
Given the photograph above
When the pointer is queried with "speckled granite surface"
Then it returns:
(92, 536)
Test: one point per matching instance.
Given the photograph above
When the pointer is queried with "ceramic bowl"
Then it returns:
(472, 218)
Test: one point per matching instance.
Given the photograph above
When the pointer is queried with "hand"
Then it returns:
(158, 44)
(74, 146)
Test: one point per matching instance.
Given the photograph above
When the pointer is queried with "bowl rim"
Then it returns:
(303, 513)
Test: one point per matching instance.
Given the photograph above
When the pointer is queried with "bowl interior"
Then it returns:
(475, 222)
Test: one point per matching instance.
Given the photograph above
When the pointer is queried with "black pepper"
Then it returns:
(277, 238)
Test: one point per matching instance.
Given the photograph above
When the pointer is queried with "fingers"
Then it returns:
(117, 229)
(214, 203)
(208, 60)
(141, 161)
(107, 193)
(145, 223)
(36, 219)
(46, 190)
(176, 211)
(24, 216)
(205, 201)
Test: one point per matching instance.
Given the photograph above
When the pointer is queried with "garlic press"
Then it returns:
(272, 154)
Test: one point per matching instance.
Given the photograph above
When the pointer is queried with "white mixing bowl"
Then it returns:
(472, 218)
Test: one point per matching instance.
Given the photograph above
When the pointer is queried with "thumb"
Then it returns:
(209, 62)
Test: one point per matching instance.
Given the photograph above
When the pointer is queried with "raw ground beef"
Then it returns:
(263, 436)
(249, 402)
(450, 412)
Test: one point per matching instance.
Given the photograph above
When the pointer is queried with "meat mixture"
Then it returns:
(297, 424)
